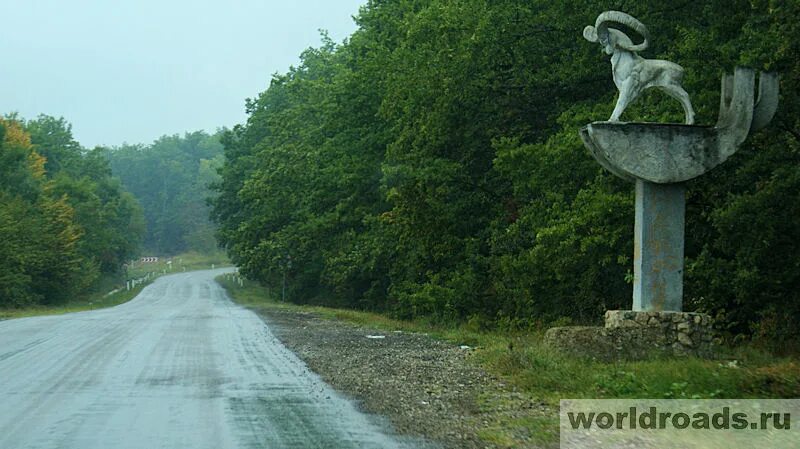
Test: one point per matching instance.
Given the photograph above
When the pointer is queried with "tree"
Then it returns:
(430, 165)
(64, 221)
(170, 179)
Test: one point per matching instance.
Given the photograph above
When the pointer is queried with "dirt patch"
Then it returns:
(426, 387)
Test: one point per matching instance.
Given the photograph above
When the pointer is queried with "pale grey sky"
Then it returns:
(133, 70)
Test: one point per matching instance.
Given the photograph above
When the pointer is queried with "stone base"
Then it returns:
(629, 335)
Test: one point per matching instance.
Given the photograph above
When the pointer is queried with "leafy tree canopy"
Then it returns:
(170, 178)
(64, 221)
(430, 165)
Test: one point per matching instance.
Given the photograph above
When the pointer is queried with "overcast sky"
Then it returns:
(134, 70)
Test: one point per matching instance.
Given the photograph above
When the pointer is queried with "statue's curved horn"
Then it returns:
(609, 17)
(590, 33)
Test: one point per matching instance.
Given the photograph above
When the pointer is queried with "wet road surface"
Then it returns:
(180, 366)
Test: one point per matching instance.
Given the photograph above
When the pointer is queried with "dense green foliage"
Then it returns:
(170, 178)
(430, 166)
(64, 221)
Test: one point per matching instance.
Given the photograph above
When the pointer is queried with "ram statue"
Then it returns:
(632, 73)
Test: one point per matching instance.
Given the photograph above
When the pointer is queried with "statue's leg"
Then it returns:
(622, 103)
(677, 92)
(627, 94)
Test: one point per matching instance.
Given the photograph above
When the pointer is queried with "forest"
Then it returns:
(71, 219)
(430, 166)
(65, 222)
(170, 178)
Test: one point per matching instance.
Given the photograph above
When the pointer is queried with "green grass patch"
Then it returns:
(257, 297)
(89, 302)
(542, 374)
(100, 297)
(183, 262)
(552, 376)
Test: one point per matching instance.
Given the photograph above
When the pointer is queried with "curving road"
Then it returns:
(180, 366)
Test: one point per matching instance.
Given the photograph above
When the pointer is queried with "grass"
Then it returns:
(182, 262)
(102, 298)
(544, 375)
(88, 302)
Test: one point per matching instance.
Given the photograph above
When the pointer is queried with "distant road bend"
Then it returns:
(180, 366)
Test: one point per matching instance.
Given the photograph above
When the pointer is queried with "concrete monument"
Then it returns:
(659, 158)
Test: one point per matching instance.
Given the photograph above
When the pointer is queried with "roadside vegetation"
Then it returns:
(82, 303)
(540, 374)
(189, 261)
(73, 219)
(66, 224)
(430, 167)
(113, 292)
(170, 178)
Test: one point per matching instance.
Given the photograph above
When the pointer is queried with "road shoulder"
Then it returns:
(426, 387)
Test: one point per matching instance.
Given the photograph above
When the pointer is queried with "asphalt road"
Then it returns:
(180, 366)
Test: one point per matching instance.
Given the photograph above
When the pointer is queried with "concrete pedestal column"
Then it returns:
(658, 247)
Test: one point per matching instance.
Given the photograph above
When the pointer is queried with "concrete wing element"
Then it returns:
(671, 153)
(767, 103)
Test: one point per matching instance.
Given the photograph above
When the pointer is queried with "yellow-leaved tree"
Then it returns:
(39, 262)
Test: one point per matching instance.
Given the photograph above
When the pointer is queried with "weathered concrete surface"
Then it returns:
(658, 247)
(657, 152)
(665, 153)
(180, 366)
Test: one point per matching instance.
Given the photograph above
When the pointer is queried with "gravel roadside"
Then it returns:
(426, 387)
